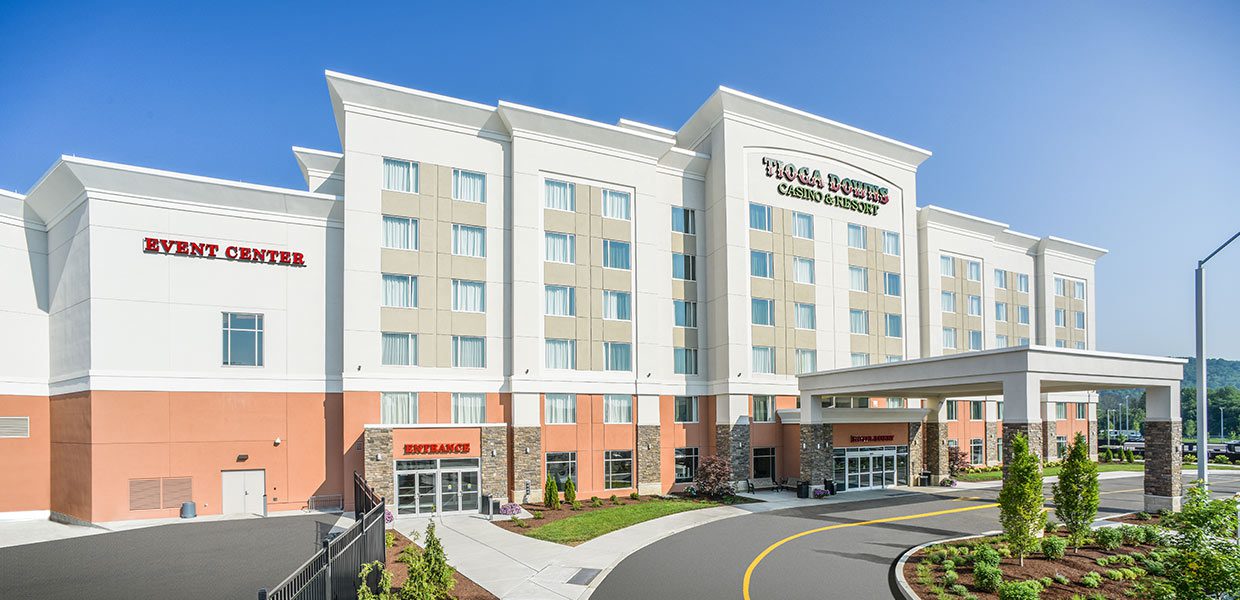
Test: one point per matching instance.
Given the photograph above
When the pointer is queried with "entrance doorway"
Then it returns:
(244, 492)
(445, 485)
(870, 467)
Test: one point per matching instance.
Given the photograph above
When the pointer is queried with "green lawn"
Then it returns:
(1102, 468)
(587, 526)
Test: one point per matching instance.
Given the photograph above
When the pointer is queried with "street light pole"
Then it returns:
(1202, 405)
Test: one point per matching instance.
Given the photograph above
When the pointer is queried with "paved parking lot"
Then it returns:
(208, 560)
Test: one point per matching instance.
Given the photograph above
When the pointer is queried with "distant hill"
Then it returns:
(1220, 371)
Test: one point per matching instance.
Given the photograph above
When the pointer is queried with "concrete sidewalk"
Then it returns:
(1187, 475)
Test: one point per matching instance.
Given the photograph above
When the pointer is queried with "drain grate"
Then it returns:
(584, 576)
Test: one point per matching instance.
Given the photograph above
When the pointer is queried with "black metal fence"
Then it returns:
(331, 574)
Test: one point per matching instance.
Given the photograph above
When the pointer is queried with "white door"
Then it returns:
(243, 492)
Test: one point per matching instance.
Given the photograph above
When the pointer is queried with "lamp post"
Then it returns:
(1202, 406)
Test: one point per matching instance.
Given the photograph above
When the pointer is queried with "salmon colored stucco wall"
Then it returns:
(452, 435)
(674, 435)
(436, 407)
(25, 463)
(589, 438)
(769, 435)
(842, 433)
(964, 429)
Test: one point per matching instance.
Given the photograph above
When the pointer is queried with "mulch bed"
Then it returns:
(564, 512)
(465, 588)
(1073, 565)
(1133, 519)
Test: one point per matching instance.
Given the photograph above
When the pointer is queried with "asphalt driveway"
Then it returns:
(208, 560)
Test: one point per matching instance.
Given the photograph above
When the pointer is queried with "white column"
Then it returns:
(526, 410)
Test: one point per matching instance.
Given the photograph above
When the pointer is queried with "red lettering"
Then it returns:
(231, 252)
(273, 256)
(285, 257)
(182, 247)
(246, 253)
(150, 244)
(408, 448)
(299, 259)
(167, 245)
(195, 249)
(212, 249)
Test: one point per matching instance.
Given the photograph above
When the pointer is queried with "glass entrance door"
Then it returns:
(426, 491)
(427, 486)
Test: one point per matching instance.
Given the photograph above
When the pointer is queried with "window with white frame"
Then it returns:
(616, 254)
(561, 301)
(976, 449)
(469, 240)
(617, 305)
(561, 354)
(894, 325)
(469, 352)
(891, 284)
(561, 247)
(856, 236)
(617, 469)
(1061, 410)
(763, 359)
(802, 270)
(617, 356)
(1001, 279)
(400, 291)
(761, 264)
(762, 311)
(975, 339)
(685, 313)
(858, 321)
(975, 306)
(1082, 410)
(561, 409)
(1022, 314)
(952, 413)
(859, 359)
(948, 300)
(1078, 319)
(399, 349)
(469, 296)
(685, 361)
(891, 243)
(1001, 341)
(685, 409)
(1022, 283)
(807, 361)
(469, 408)
(617, 409)
(469, 186)
(684, 220)
(1022, 341)
(398, 408)
(1061, 287)
(1078, 345)
(858, 279)
(947, 266)
(684, 267)
(562, 466)
(763, 409)
(999, 416)
(805, 316)
(1001, 311)
(1078, 290)
(897, 403)
(616, 205)
(759, 216)
(1061, 343)
(560, 195)
(1061, 317)
(400, 233)
(949, 337)
(243, 339)
(977, 409)
(892, 358)
(400, 175)
(803, 225)
(686, 464)
(974, 272)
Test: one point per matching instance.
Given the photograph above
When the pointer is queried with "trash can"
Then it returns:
(486, 504)
(802, 489)
(188, 510)
(924, 479)
(829, 486)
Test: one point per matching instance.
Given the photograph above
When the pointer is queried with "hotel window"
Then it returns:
(617, 409)
(949, 337)
(1001, 279)
(761, 264)
(1061, 317)
(561, 354)
(897, 403)
(400, 291)
(975, 451)
(685, 409)
(975, 306)
(951, 410)
(560, 195)
(469, 296)
(1079, 345)
(1001, 341)
(1022, 314)
(616, 205)
(859, 359)
(1022, 283)
(1061, 410)
(561, 409)
(469, 186)
(615, 254)
(398, 408)
(807, 361)
(1024, 341)
(1061, 445)
(764, 463)
(759, 216)
(400, 175)
(686, 464)
(685, 361)
(469, 352)
(858, 279)
(894, 325)
(684, 267)
(1078, 290)
(561, 301)
(999, 416)
(1060, 287)
(400, 233)
(243, 339)
(1001, 311)
(803, 270)
(1061, 343)
(951, 445)
(563, 467)
(399, 349)
(468, 240)
(763, 409)
(858, 321)
(1079, 319)
(947, 266)
(975, 339)
(1082, 410)
(762, 311)
(891, 243)
(684, 220)
(856, 236)
(974, 272)
(948, 301)
(803, 225)
(685, 313)
(892, 358)
(977, 409)
(617, 356)
(805, 316)
(469, 408)
(891, 284)
(617, 305)
(561, 247)
(763, 359)
(617, 469)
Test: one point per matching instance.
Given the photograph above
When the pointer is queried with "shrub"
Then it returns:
(1062, 579)
(1053, 547)
(614, 499)
(551, 494)
(385, 583)
(1020, 499)
(634, 496)
(538, 514)
(950, 578)
(1046, 582)
(985, 555)
(1076, 492)
(987, 578)
(714, 477)
(1115, 575)
(959, 590)
(1143, 516)
(575, 505)
(518, 522)
(570, 492)
(1190, 458)
(936, 556)
(1150, 534)
(389, 539)
(595, 502)
(1220, 460)
(1020, 590)
(430, 576)
(1050, 527)
(958, 462)
(1131, 534)
(1105, 455)
(1091, 579)
(1109, 538)
(923, 573)
(1103, 561)
(949, 565)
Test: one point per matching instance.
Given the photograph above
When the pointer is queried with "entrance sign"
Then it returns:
(437, 448)
(856, 439)
(849, 194)
(152, 245)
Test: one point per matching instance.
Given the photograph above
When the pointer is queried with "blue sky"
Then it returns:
(1114, 124)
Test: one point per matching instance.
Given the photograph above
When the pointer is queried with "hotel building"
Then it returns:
(472, 297)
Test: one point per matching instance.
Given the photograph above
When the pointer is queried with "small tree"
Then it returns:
(1206, 563)
(714, 477)
(570, 492)
(551, 494)
(1020, 499)
(957, 462)
(385, 583)
(430, 576)
(1076, 492)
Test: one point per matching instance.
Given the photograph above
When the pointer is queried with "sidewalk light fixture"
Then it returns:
(1203, 439)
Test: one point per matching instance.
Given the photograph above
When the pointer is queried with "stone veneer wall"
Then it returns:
(732, 443)
(378, 464)
(495, 468)
(916, 451)
(1092, 434)
(937, 459)
(1163, 457)
(816, 456)
(527, 467)
(1050, 448)
(649, 469)
(1033, 432)
(992, 443)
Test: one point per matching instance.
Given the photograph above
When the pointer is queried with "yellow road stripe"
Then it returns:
(1121, 491)
(753, 565)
